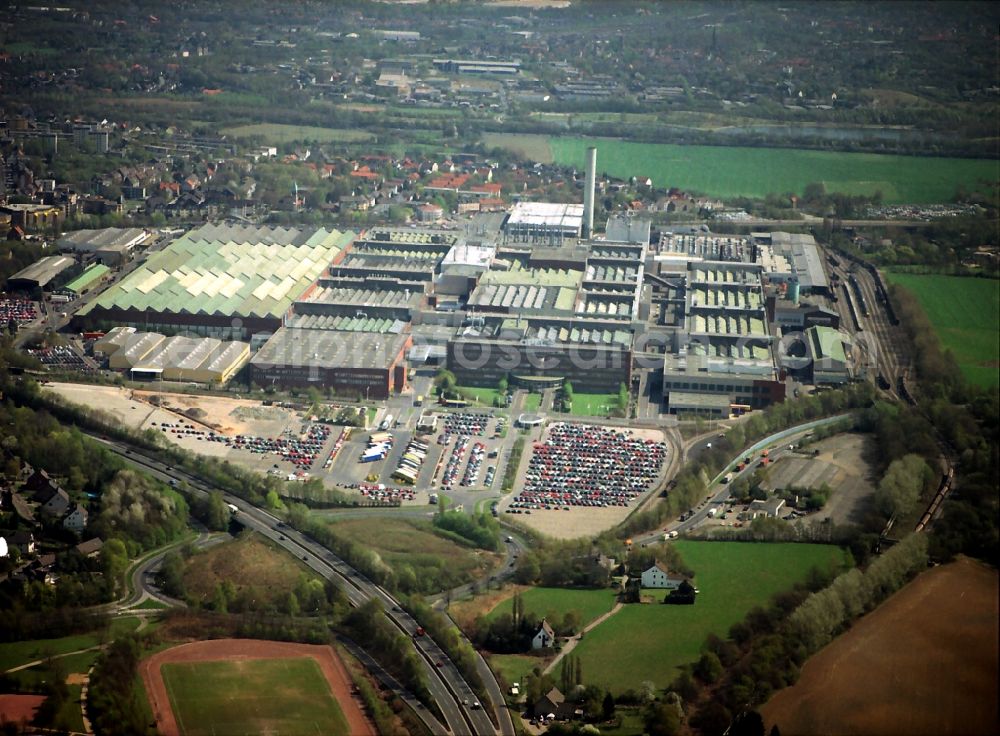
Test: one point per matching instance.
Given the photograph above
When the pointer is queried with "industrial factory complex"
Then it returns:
(716, 322)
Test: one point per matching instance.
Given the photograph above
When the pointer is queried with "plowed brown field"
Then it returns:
(924, 662)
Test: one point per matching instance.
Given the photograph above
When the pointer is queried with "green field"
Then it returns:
(553, 603)
(731, 171)
(965, 313)
(531, 403)
(513, 667)
(413, 549)
(279, 696)
(593, 405)
(276, 133)
(650, 641)
(526, 145)
(17, 653)
(479, 394)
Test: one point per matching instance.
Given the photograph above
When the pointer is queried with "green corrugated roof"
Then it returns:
(218, 269)
(88, 277)
(828, 343)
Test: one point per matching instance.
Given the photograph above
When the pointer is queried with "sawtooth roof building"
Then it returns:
(220, 280)
(152, 356)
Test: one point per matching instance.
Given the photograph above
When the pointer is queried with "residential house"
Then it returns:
(545, 637)
(23, 541)
(76, 520)
(21, 508)
(659, 576)
(39, 482)
(552, 705)
(429, 212)
(90, 548)
(357, 203)
(55, 504)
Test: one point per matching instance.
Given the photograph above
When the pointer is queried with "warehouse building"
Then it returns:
(112, 341)
(135, 348)
(792, 257)
(151, 356)
(371, 297)
(829, 351)
(544, 221)
(541, 352)
(721, 360)
(94, 276)
(219, 281)
(363, 364)
(110, 245)
(40, 274)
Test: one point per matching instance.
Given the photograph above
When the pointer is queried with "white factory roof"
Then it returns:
(546, 215)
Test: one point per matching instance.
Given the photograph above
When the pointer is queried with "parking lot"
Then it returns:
(471, 442)
(581, 478)
(61, 357)
(22, 311)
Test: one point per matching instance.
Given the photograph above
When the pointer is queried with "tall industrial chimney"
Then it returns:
(588, 193)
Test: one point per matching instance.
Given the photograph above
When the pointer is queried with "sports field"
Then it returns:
(286, 696)
(965, 313)
(650, 641)
(731, 171)
(244, 686)
(276, 133)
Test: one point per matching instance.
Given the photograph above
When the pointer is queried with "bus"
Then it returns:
(405, 475)
(454, 403)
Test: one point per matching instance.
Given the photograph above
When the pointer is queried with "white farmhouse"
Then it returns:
(545, 637)
(659, 576)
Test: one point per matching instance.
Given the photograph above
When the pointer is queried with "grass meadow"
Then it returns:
(650, 641)
(531, 403)
(280, 696)
(554, 603)
(414, 547)
(256, 568)
(965, 313)
(276, 133)
(731, 171)
(593, 405)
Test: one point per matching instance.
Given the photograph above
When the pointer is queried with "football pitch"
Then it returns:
(274, 696)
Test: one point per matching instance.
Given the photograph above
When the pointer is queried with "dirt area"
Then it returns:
(245, 649)
(840, 465)
(19, 708)
(924, 662)
(76, 679)
(464, 613)
(221, 414)
(579, 521)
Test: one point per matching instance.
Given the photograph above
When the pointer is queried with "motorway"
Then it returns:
(718, 493)
(446, 684)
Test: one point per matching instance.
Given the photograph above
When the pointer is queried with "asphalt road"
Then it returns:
(446, 684)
